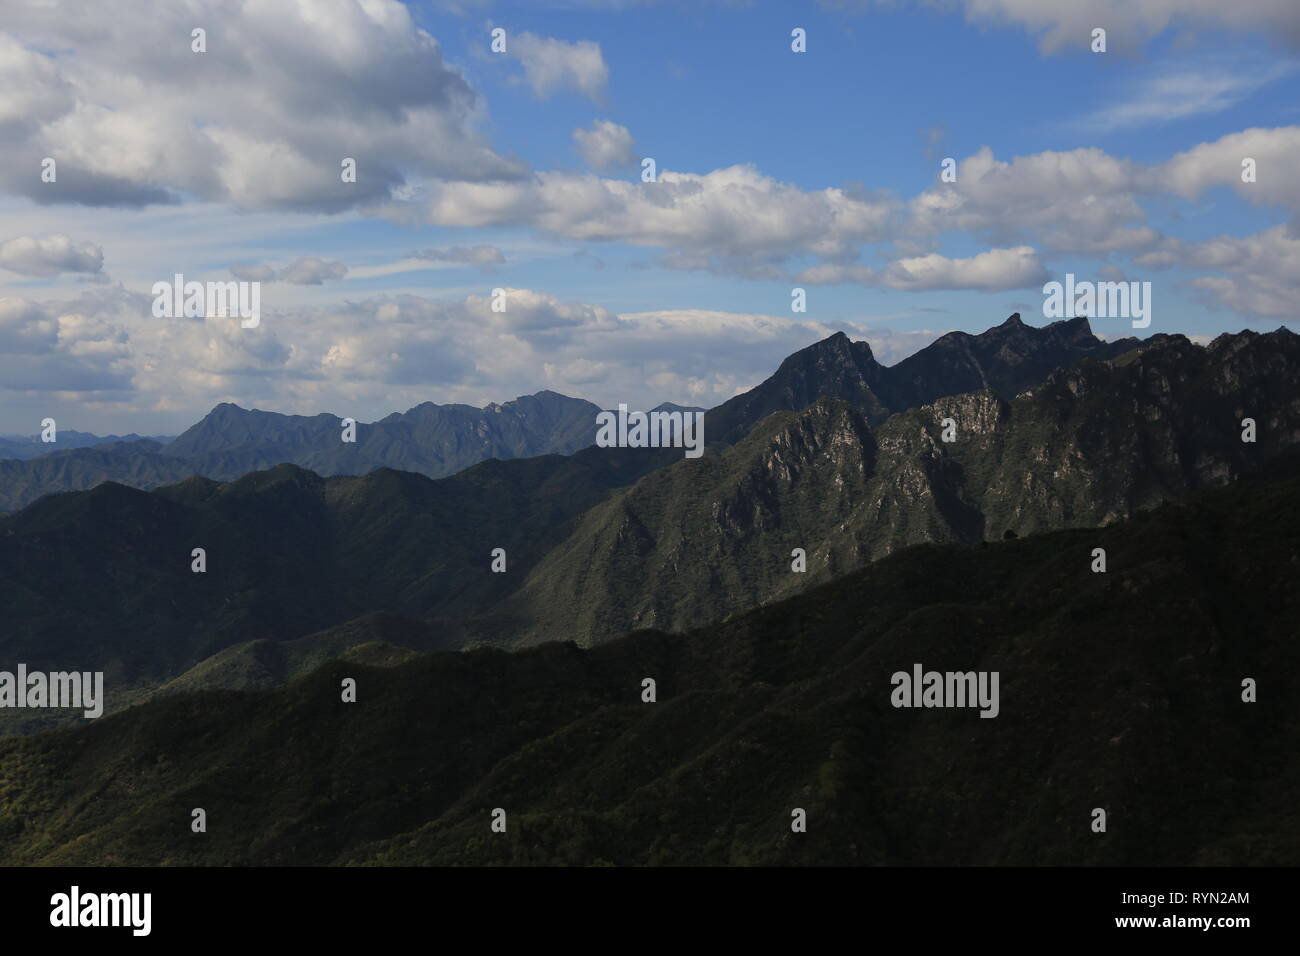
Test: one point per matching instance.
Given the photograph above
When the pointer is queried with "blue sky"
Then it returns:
(817, 170)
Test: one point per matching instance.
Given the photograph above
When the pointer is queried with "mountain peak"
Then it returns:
(1079, 325)
(837, 343)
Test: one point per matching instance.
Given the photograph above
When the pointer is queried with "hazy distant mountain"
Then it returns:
(31, 446)
(1119, 690)
(140, 463)
(440, 440)
(673, 407)
(433, 440)
(702, 538)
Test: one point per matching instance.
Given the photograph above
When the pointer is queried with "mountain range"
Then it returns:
(1119, 690)
(608, 540)
(1095, 442)
(433, 440)
(1006, 359)
(31, 446)
(440, 440)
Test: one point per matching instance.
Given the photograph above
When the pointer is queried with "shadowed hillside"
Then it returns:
(1119, 690)
(700, 539)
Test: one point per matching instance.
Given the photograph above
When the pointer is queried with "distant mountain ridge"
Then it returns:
(30, 446)
(429, 439)
(440, 440)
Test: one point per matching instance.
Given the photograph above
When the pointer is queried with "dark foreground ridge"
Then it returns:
(1119, 690)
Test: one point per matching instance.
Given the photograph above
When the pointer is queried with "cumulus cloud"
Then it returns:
(105, 351)
(1219, 163)
(1080, 200)
(606, 144)
(538, 312)
(735, 212)
(25, 328)
(992, 271)
(50, 256)
(552, 65)
(1255, 275)
(75, 347)
(262, 119)
(32, 91)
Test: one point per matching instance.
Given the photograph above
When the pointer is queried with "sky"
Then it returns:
(516, 177)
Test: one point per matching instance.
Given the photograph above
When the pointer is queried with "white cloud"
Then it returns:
(109, 356)
(1183, 91)
(606, 144)
(551, 65)
(1080, 200)
(1257, 275)
(262, 119)
(1219, 163)
(77, 347)
(735, 212)
(994, 270)
(50, 256)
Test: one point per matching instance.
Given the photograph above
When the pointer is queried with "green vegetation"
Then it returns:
(1119, 690)
(694, 542)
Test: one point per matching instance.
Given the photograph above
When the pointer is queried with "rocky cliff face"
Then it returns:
(1005, 359)
(1096, 442)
